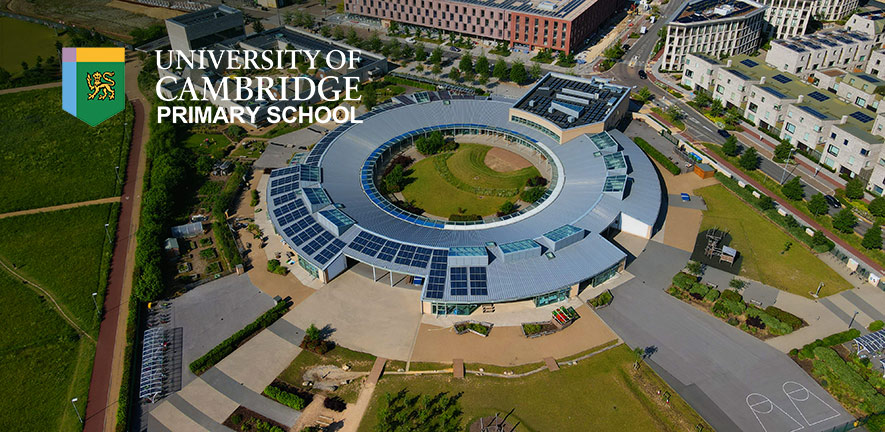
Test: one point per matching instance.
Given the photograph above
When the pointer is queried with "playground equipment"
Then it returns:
(715, 249)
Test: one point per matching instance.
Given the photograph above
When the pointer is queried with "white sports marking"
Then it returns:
(798, 393)
(762, 400)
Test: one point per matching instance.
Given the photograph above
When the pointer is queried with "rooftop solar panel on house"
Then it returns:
(813, 112)
(774, 92)
(781, 79)
(818, 96)
(861, 117)
(478, 281)
(869, 79)
(458, 281)
(749, 63)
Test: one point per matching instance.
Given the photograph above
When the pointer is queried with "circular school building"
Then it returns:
(517, 200)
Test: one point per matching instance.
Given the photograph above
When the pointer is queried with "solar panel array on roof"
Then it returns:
(436, 280)
(562, 232)
(330, 251)
(749, 63)
(368, 244)
(615, 161)
(585, 102)
(861, 117)
(869, 79)
(458, 281)
(615, 183)
(781, 79)
(414, 256)
(818, 96)
(813, 112)
(739, 74)
(479, 282)
(774, 92)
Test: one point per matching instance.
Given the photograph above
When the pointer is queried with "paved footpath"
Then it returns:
(101, 406)
(60, 207)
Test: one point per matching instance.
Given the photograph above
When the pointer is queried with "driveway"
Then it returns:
(735, 381)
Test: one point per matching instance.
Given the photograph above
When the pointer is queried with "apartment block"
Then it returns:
(833, 123)
(802, 55)
(870, 23)
(561, 25)
(834, 10)
(876, 64)
(714, 27)
(787, 18)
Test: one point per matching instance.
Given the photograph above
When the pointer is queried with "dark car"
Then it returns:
(832, 201)
(455, 49)
(723, 133)
(642, 74)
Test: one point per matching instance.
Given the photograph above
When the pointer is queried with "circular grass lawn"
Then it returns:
(441, 195)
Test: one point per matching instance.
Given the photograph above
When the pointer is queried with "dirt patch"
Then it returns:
(492, 423)
(244, 419)
(502, 160)
(329, 377)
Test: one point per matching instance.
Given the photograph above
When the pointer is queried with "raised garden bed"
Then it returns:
(476, 327)
(244, 419)
(601, 300)
(538, 329)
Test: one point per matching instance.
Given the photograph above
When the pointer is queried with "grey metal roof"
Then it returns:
(577, 200)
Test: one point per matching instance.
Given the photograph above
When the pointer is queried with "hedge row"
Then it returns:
(410, 83)
(223, 201)
(439, 162)
(657, 155)
(288, 399)
(787, 318)
(828, 363)
(126, 389)
(772, 324)
(228, 346)
(807, 351)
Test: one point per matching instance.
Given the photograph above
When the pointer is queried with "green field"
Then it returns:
(49, 157)
(602, 393)
(63, 252)
(198, 144)
(40, 42)
(430, 191)
(43, 364)
(760, 241)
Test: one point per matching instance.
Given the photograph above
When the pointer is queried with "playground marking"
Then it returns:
(761, 400)
(801, 394)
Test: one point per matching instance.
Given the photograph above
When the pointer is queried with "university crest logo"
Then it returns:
(92, 83)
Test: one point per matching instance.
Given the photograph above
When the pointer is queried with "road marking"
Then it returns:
(798, 393)
(766, 406)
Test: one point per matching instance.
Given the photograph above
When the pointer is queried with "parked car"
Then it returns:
(723, 133)
(642, 74)
(455, 49)
(832, 201)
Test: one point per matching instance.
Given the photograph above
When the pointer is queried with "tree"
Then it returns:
(817, 205)
(732, 116)
(395, 179)
(674, 113)
(436, 56)
(535, 71)
(430, 144)
(370, 97)
(716, 108)
(854, 189)
(638, 354)
(338, 32)
(694, 268)
(872, 239)
(257, 26)
(352, 37)
(437, 69)
(4, 76)
(766, 203)
(792, 189)
(518, 73)
(749, 160)
(500, 70)
(466, 62)
(730, 148)
(455, 74)
(644, 95)
(506, 208)
(876, 206)
(420, 52)
(782, 151)
(483, 79)
(375, 43)
(313, 334)
(702, 99)
(482, 65)
(845, 221)
(532, 194)
(819, 239)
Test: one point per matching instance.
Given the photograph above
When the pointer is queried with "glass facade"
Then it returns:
(452, 308)
(309, 267)
(605, 275)
(554, 297)
(536, 126)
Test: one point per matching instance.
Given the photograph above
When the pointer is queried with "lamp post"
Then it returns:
(817, 293)
(117, 171)
(852, 319)
(94, 302)
(76, 410)
(107, 232)
(789, 156)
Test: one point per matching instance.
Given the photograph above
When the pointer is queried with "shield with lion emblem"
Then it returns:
(92, 83)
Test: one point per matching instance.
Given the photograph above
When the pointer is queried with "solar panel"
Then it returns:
(389, 250)
(739, 74)
(478, 281)
(330, 251)
(781, 79)
(458, 281)
(861, 117)
(818, 96)
(868, 78)
(749, 63)
(774, 92)
(436, 280)
(813, 112)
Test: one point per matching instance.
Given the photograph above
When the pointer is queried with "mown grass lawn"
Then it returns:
(198, 143)
(40, 42)
(66, 252)
(43, 363)
(49, 157)
(761, 242)
(602, 393)
(431, 192)
(468, 164)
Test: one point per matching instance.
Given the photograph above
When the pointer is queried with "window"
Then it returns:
(860, 102)
(833, 150)
(833, 135)
(791, 128)
(864, 152)
(720, 89)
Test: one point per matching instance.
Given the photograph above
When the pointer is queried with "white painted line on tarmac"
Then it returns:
(798, 393)
(761, 404)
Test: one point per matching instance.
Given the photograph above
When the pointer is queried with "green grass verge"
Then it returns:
(431, 192)
(629, 401)
(43, 362)
(216, 144)
(66, 252)
(338, 356)
(468, 165)
(40, 42)
(761, 242)
(50, 157)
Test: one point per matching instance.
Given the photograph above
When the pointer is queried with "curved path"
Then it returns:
(106, 372)
(61, 207)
